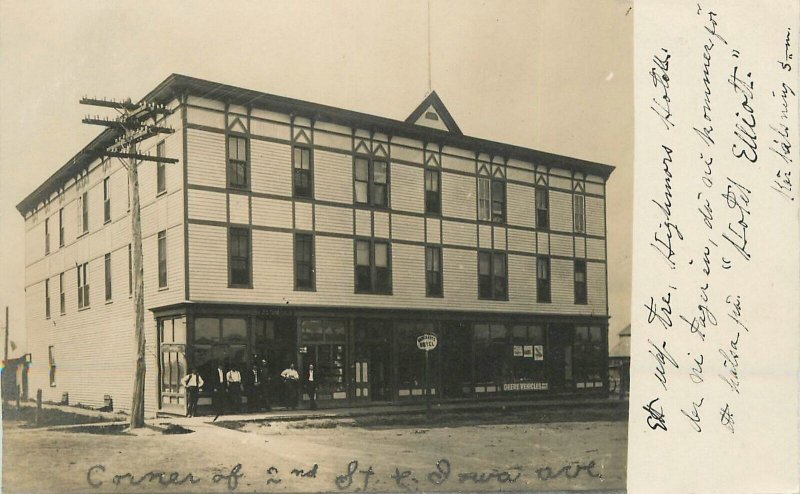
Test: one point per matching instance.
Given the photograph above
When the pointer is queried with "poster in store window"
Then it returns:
(518, 350)
(528, 351)
(538, 352)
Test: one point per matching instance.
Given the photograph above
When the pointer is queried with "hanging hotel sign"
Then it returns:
(426, 342)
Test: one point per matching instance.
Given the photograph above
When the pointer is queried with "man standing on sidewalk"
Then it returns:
(255, 385)
(219, 397)
(290, 379)
(311, 386)
(234, 378)
(192, 382)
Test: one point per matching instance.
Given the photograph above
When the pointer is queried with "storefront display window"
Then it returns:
(410, 359)
(491, 353)
(527, 352)
(588, 357)
(323, 341)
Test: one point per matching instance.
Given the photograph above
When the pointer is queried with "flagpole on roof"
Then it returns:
(430, 85)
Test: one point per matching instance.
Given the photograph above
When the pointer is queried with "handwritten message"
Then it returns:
(354, 476)
(716, 227)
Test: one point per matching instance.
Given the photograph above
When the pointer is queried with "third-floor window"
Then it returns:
(579, 213)
(542, 208)
(433, 202)
(46, 236)
(371, 182)
(106, 200)
(303, 175)
(161, 169)
(83, 213)
(237, 162)
(491, 200)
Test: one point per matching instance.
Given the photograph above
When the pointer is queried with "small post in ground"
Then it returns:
(38, 405)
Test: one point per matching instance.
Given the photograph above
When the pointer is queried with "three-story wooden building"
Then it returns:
(302, 233)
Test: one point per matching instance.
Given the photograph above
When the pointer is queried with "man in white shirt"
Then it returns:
(234, 379)
(192, 382)
(291, 378)
(311, 386)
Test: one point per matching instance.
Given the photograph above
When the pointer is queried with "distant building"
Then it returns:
(298, 232)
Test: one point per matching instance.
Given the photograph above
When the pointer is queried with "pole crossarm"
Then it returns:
(135, 156)
(119, 105)
(106, 122)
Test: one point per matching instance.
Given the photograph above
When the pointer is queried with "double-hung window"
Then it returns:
(47, 298)
(61, 227)
(62, 299)
(237, 162)
(433, 271)
(371, 182)
(542, 208)
(107, 265)
(161, 169)
(492, 275)
(303, 175)
(491, 200)
(83, 213)
(433, 203)
(83, 285)
(543, 279)
(303, 261)
(162, 259)
(106, 200)
(239, 257)
(580, 281)
(51, 356)
(579, 213)
(130, 269)
(46, 236)
(373, 267)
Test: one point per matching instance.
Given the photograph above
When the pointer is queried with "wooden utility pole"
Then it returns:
(5, 355)
(136, 122)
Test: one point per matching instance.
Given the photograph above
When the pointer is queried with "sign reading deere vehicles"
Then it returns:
(426, 342)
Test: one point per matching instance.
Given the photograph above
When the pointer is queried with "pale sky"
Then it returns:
(551, 75)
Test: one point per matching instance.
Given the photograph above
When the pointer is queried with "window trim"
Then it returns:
(247, 172)
(303, 147)
(585, 294)
(106, 200)
(539, 293)
(373, 290)
(161, 169)
(249, 284)
(107, 276)
(492, 254)
(83, 288)
(576, 212)
(51, 358)
(47, 298)
(47, 236)
(440, 255)
(62, 297)
(312, 262)
(490, 199)
(61, 228)
(84, 202)
(438, 173)
(370, 202)
(537, 192)
(162, 235)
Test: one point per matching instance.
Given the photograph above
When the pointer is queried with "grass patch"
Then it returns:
(48, 417)
(101, 429)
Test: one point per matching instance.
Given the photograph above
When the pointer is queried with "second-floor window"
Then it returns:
(107, 267)
(542, 208)
(237, 162)
(492, 276)
(62, 298)
(543, 279)
(161, 170)
(373, 267)
(579, 213)
(239, 257)
(433, 202)
(47, 298)
(303, 261)
(106, 200)
(83, 285)
(46, 236)
(303, 176)
(433, 271)
(371, 182)
(162, 259)
(491, 200)
(580, 281)
(61, 227)
(130, 269)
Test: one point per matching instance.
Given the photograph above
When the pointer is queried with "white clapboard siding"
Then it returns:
(458, 163)
(458, 233)
(333, 219)
(409, 282)
(206, 118)
(458, 196)
(562, 284)
(405, 153)
(406, 227)
(433, 229)
(206, 158)
(521, 206)
(272, 212)
(560, 211)
(206, 205)
(332, 140)
(239, 208)
(595, 248)
(363, 223)
(264, 128)
(595, 215)
(521, 240)
(303, 216)
(407, 188)
(560, 245)
(208, 261)
(596, 286)
(271, 167)
(522, 280)
(333, 177)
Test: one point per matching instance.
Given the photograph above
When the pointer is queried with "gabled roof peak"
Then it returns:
(432, 113)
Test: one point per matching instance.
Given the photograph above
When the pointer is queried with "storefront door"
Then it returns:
(456, 351)
(559, 339)
(172, 364)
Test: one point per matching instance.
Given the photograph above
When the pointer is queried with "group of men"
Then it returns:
(229, 385)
